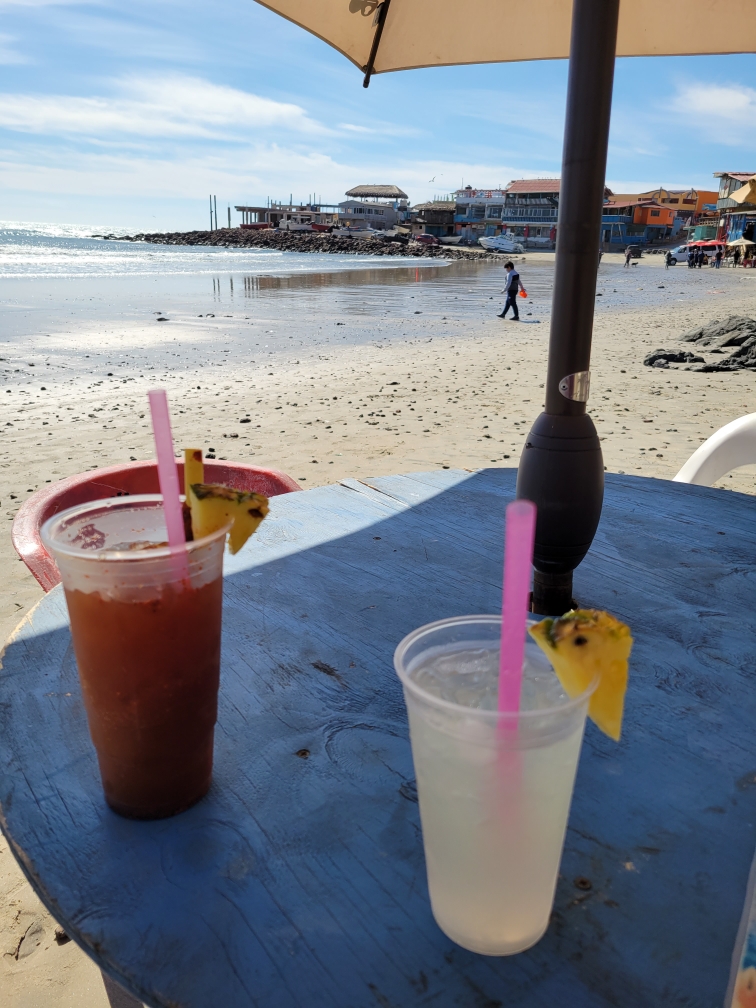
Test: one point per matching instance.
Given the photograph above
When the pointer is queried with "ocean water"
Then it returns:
(54, 251)
(55, 278)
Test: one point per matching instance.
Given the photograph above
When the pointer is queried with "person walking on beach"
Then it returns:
(668, 260)
(700, 258)
(511, 289)
(692, 259)
(628, 256)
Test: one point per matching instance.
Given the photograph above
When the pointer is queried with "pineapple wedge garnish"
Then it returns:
(585, 643)
(194, 469)
(214, 506)
(194, 472)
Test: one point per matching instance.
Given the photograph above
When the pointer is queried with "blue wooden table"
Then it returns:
(299, 882)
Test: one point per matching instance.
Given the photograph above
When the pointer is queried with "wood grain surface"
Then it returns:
(299, 881)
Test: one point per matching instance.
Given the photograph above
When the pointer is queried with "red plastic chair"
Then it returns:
(119, 481)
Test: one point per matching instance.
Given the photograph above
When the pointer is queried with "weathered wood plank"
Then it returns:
(300, 881)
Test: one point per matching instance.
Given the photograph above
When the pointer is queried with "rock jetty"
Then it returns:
(309, 241)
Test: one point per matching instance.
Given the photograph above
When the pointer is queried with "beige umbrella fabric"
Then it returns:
(423, 33)
(741, 242)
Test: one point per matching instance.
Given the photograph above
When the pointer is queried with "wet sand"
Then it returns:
(350, 377)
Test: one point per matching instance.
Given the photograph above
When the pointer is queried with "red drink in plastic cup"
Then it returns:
(147, 645)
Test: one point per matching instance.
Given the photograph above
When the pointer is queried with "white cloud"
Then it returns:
(8, 55)
(250, 174)
(725, 112)
(42, 3)
(264, 169)
(169, 106)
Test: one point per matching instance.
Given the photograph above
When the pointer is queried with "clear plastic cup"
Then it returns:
(147, 644)
(494, 789)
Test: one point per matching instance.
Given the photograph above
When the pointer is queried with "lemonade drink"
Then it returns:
(494, 789)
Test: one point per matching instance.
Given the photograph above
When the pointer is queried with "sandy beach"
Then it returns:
(326, 381)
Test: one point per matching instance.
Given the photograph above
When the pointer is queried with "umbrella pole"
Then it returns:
(562, 469)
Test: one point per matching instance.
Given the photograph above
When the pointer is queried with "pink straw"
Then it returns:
(168, 476)
(518, 560)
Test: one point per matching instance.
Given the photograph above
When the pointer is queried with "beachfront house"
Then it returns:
(527, 208)
(435, 217)
(737, 216)
(363, 214)
(478, 212)
(635, 220)
(380, 207)
(531, 210)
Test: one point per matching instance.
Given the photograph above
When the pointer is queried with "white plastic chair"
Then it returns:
(732, 446)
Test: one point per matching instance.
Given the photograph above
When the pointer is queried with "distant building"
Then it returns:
(737, 218)
(686, 202)
(531, 209)
(729, 182)
(635, 220)
(377, 206)
(435, 218)
(359, 213)
(478, 212)
(526, 208)
(277, 213)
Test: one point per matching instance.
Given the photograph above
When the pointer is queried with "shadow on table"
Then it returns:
(300, 880)
(117, 996)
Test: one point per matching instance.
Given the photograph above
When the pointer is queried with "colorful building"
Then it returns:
(526, 208)
(737, 216)
(634, 220)
(478, 212)
(684, 201)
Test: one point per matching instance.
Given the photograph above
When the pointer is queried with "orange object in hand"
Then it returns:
(522, 292)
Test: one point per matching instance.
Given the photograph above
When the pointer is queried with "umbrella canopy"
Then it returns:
(741, 242)
(423, 33)
(746, 193)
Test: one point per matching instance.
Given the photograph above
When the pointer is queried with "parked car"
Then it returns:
(426, 239)
(634, 250)
(680, 254)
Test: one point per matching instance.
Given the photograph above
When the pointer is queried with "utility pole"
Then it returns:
(215, 204)
(229, 218)
(211, 213)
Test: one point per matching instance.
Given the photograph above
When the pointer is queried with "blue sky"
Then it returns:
(130, 114)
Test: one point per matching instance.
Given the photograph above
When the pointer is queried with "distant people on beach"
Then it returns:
(668, 259)
(700, 258)
(511, 289)
(718, 259)
(691, 259)
(628, 256)
(736, 257)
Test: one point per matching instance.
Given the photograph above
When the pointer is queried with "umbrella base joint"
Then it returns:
(552, 594)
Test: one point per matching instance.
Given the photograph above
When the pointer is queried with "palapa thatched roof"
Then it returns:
(376, 192)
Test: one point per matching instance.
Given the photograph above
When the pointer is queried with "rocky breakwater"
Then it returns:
(309, 241)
